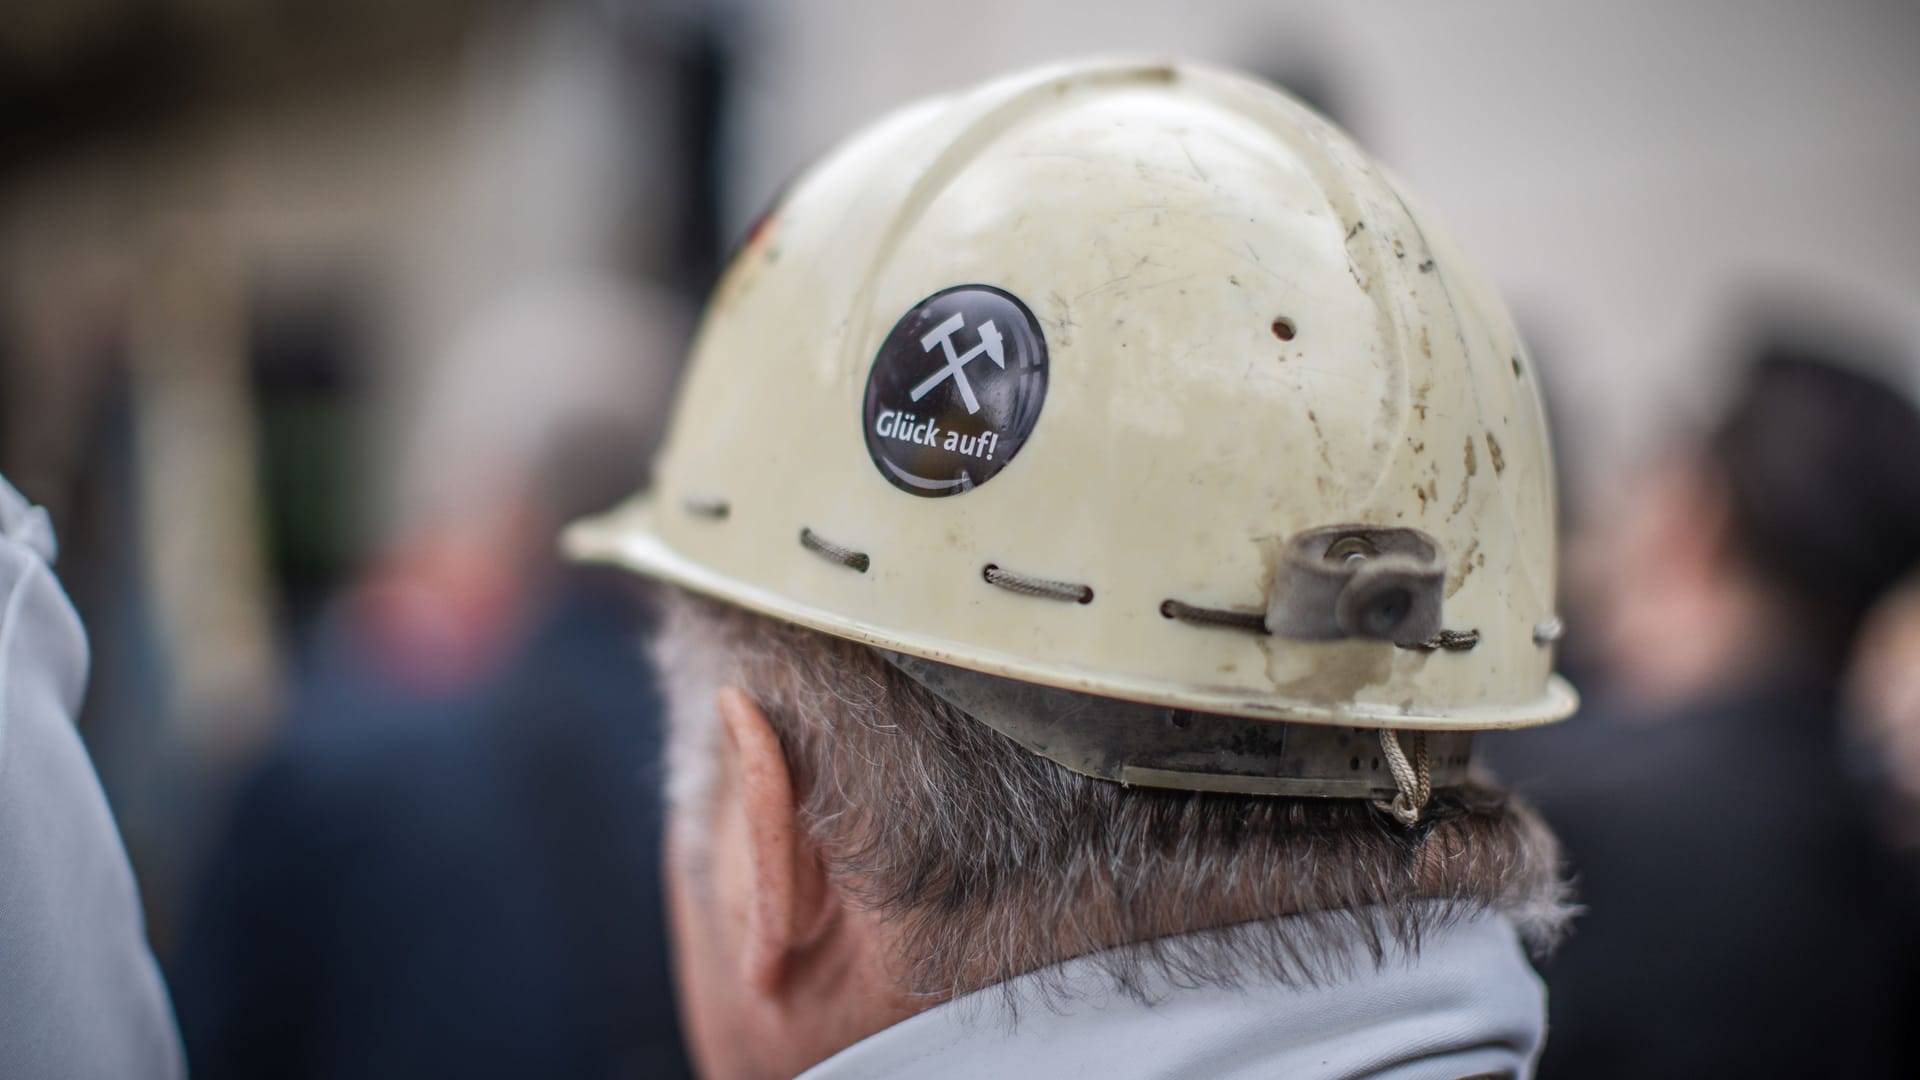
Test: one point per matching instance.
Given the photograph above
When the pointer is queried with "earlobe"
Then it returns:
(788, 907)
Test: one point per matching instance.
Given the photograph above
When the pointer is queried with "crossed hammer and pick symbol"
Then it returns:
(956, 367)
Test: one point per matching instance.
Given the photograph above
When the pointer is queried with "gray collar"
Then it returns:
(25, 523)
(1468, 1005)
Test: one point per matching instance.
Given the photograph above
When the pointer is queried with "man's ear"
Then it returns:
(791, 906)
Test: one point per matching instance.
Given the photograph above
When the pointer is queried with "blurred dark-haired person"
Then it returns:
(448, 863)
(1741, 916)
(80, 995)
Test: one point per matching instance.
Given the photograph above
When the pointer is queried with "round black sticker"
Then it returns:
(955, 390)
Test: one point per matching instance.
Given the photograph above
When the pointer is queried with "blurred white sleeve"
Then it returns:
(80, 994)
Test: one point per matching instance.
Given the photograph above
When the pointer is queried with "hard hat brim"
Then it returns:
(626, 537)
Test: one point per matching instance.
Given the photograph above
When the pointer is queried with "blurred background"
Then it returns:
(317, 319)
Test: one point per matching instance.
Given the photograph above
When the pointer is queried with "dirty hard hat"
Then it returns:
(1131, 409)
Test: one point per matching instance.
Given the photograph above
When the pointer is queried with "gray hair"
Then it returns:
(993, 862)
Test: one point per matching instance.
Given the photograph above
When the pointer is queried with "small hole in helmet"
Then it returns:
(1283, 328)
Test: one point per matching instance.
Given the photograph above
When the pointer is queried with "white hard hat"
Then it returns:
(1137, 381)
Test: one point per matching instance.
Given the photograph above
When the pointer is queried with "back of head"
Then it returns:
(1818, 456)
(994, 862)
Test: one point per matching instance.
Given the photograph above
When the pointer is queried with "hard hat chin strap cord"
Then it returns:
(827, 549)
(1416, 782)
(1029, 585)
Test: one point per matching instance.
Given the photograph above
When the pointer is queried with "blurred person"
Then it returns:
(1741, 919)
(80, 995)
(448, 865)
(1883, 696)
(1096, 516)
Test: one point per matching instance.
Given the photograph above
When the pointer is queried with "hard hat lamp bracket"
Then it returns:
(1359, 581)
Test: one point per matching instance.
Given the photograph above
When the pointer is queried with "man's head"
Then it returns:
(846, 850)
(1757, 550)
(1120, 507)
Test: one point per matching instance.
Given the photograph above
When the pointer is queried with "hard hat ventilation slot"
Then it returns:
(712, 509)
(827, 549)
(1225, 618)
(1036, 586)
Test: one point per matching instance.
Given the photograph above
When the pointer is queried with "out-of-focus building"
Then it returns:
(239, 242)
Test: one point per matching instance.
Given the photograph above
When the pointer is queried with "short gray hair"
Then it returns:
(994, 862)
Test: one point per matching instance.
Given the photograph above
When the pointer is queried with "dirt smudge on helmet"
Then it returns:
(1465, 567)
(1466, 481)
(1338, 674)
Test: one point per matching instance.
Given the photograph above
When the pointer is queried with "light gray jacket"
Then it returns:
(80, 994)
